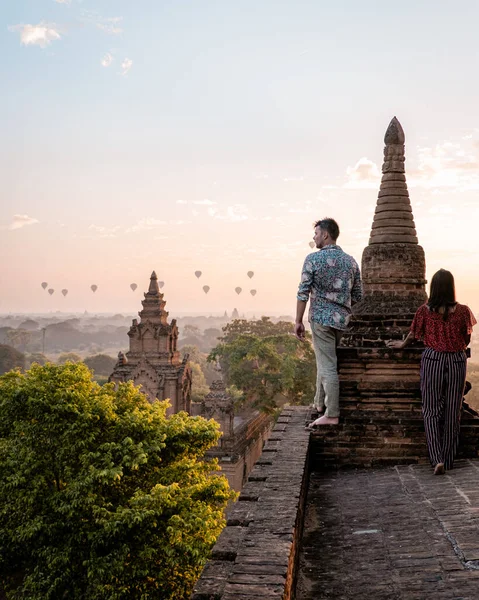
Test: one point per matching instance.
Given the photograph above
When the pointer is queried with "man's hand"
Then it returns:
(299, 331)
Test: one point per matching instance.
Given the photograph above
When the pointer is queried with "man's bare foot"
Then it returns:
(439, 469)
(324, 420)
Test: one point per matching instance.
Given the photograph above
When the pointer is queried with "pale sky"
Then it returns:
(205, 135)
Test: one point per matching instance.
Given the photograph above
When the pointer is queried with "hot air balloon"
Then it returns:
(252, 292)
(312, 245)
(250, 274)
(198, 274)
(133, 286)
(64, 292)
(238, 290)
(206, 289)
(93, 288)
(50, 291)
(44, 285)
(161, 284)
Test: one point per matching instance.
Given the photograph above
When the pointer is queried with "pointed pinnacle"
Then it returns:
(154, 288)
(394, 133)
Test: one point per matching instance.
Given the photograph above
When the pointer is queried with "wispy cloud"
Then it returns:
(41, 35)
(110, 25)
(446, 165)
(364, 175)
(107, 60)
(126, 66)
(288, 179)
(237, 212)
(146, 224)
(20, 221)
(63, 1)
(182, 202)
(105, 231)
(204, 202)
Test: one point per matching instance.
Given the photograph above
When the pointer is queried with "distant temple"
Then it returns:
(153, 360)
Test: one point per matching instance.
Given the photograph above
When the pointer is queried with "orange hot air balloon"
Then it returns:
(93, 288)
(312, 245)
(44, 285)
(250, 274)
(206, 289)
(252, 292)
(65, 292)
(50, 291)
(133, 286)
(161, 284)
(238, 290)
(198, 274)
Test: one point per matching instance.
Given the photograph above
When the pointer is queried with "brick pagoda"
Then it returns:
(153, 359)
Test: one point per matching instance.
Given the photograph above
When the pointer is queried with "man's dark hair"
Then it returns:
(442, 293)
(330, 226)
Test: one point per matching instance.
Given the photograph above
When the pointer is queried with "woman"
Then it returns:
(445, 327)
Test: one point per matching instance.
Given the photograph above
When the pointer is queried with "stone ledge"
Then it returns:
(256, 553)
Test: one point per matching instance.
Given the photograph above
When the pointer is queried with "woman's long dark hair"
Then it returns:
(442, 292)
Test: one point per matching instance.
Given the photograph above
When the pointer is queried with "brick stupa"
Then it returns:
(153, 359)
(393, 265)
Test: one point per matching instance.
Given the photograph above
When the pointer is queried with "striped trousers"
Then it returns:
(443, 376)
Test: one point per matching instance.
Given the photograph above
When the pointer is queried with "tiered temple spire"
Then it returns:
(393, 264)
(153, 359)
(393, 219)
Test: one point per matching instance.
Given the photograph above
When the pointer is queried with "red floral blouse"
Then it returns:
(440, 335)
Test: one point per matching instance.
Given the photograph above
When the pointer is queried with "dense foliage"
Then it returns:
(267, 363)
(261, 328)
(100, 364)
(36, 357)
(101, 495)
(68, 357)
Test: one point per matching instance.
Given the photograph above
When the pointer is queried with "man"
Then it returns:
(333, 280)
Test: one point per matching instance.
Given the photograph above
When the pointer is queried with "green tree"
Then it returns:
(19, 338)
(101, 495)
(100, 364)
(199, 388)
(201, 358)
(36, 357)
(194, 354)
(10, 359)
(262, 327)
(68, 357)
(268, 370)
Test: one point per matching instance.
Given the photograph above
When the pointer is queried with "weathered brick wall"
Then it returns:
(381, 417)
(256, 554)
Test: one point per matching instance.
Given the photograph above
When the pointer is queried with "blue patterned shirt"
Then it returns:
(333, 279)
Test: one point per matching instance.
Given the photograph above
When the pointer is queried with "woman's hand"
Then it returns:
(399, 344)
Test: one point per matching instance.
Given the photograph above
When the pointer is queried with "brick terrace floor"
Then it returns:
(393, 533)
